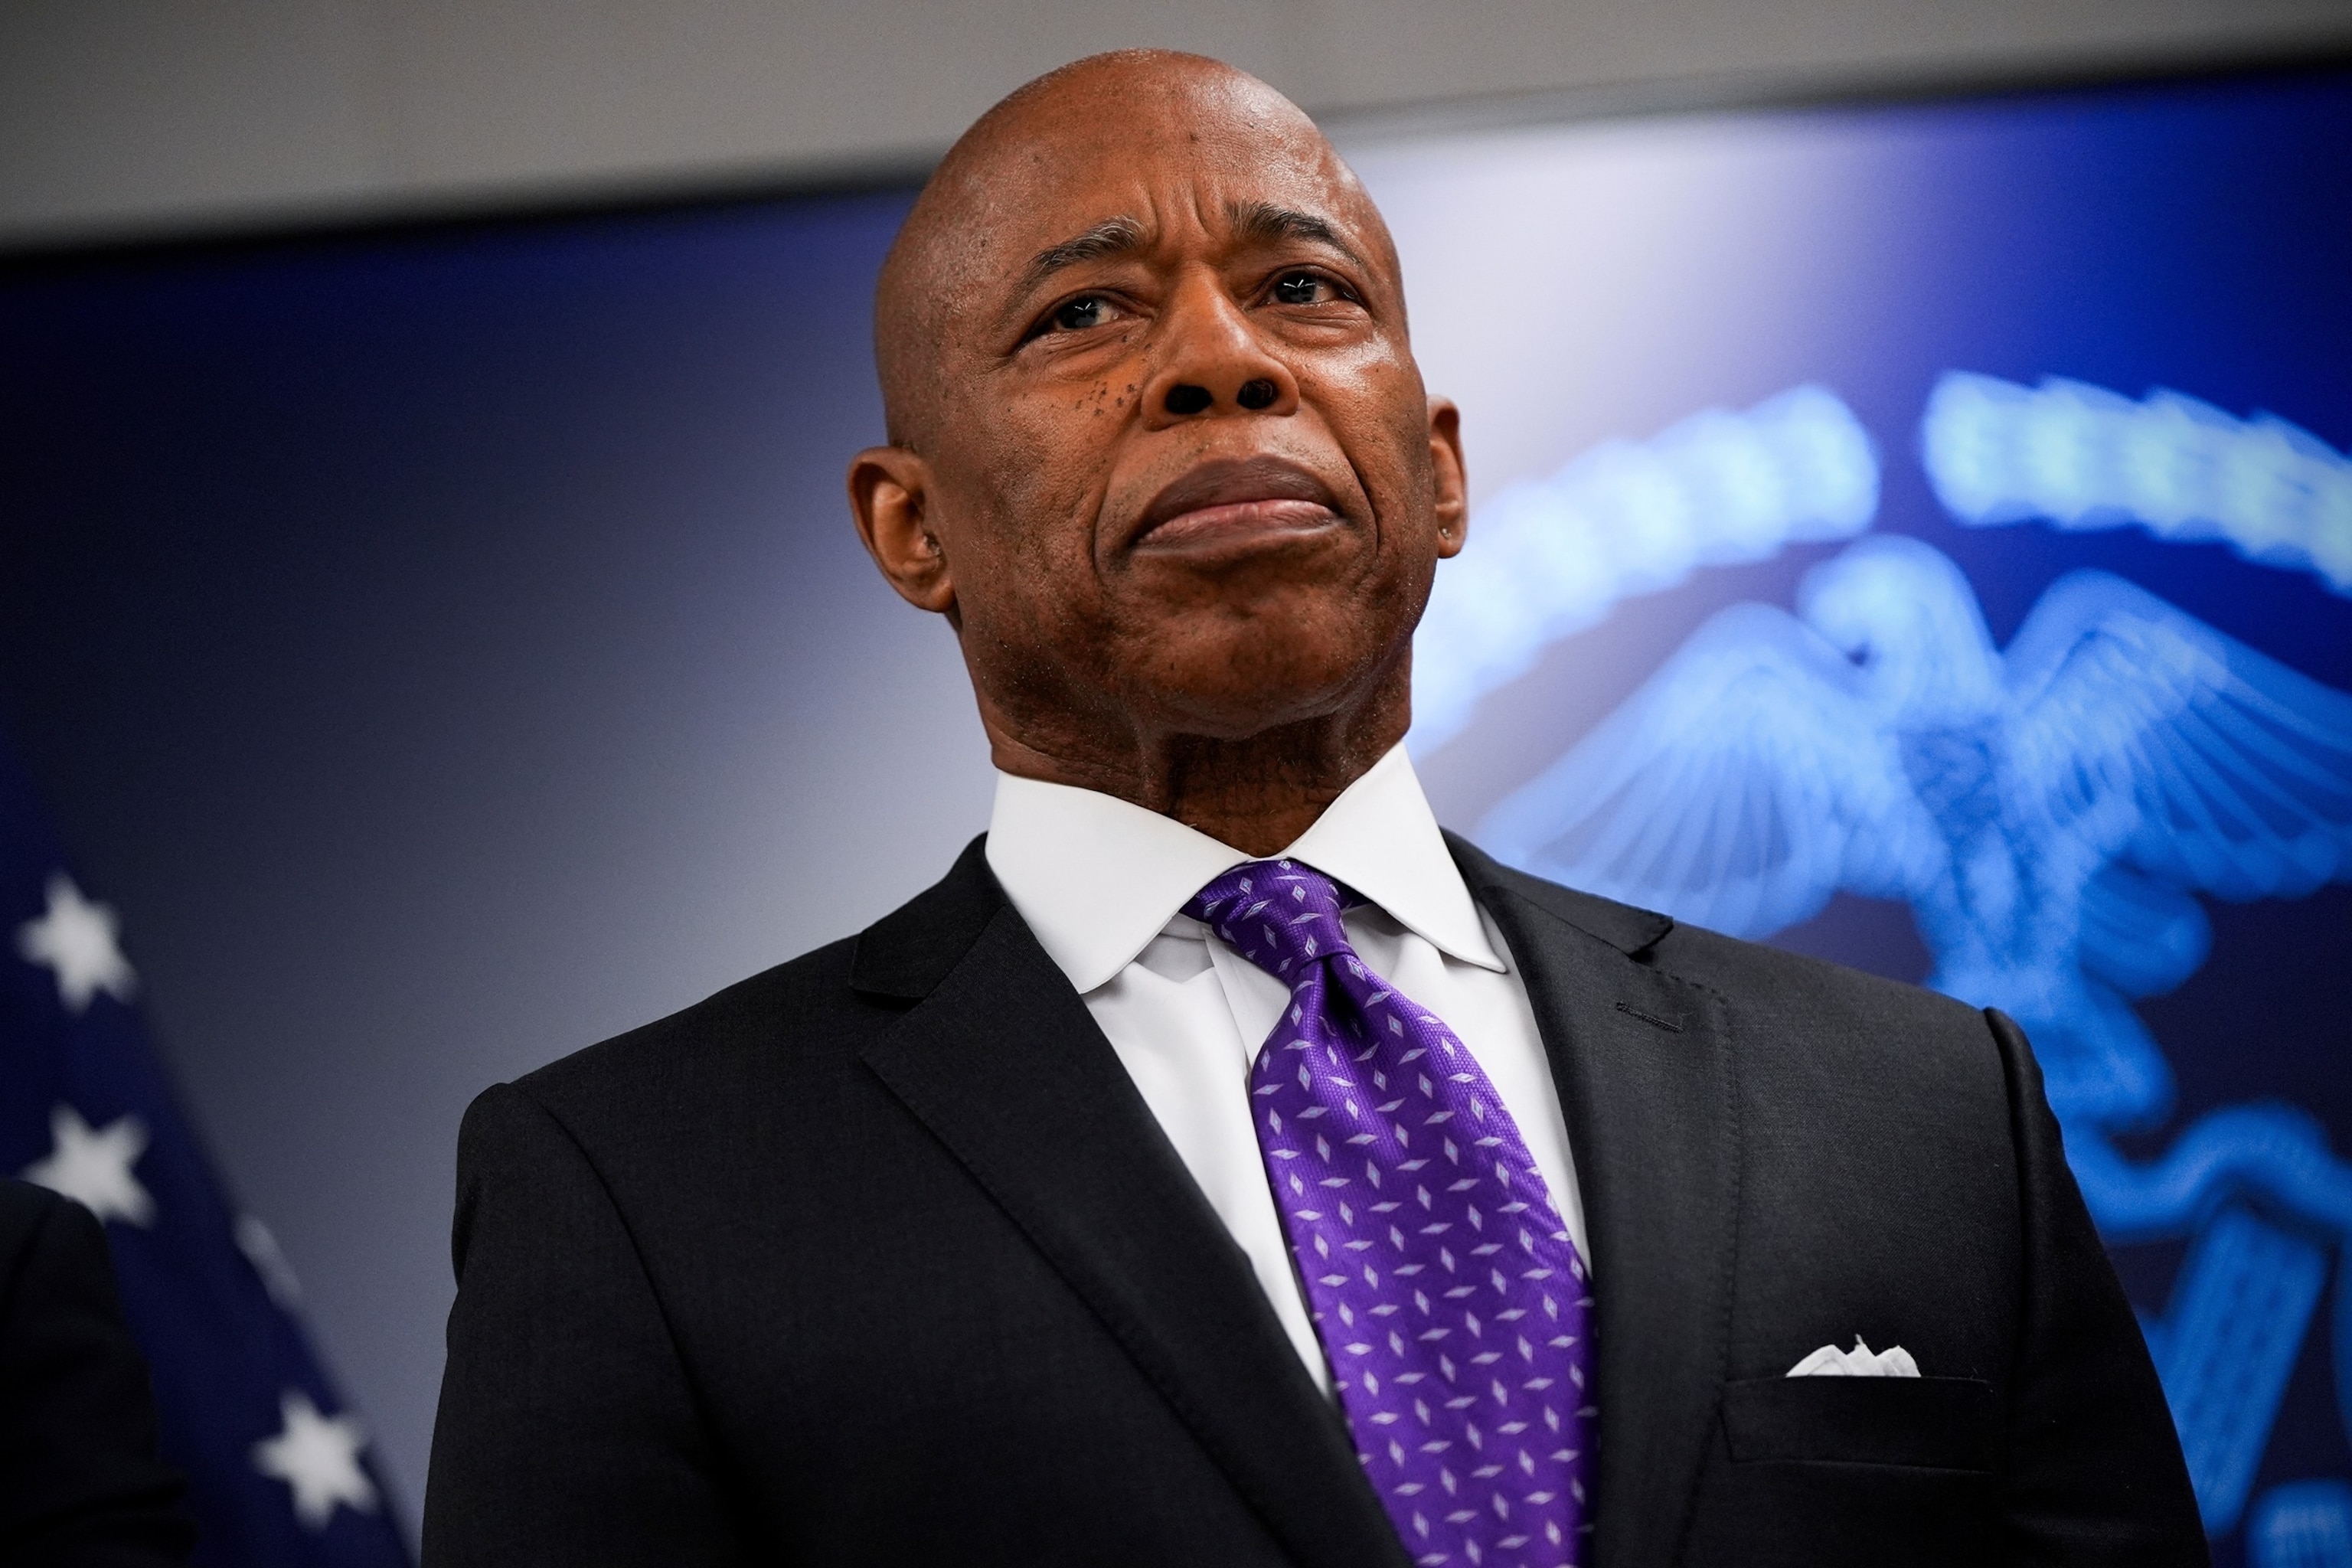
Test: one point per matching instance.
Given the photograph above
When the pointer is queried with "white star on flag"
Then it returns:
(319, 1457)
(76, 939)
(93, 1166)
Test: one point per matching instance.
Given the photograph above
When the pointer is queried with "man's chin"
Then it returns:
(1245, 692)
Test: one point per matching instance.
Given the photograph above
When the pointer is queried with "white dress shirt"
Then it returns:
(1102, 882)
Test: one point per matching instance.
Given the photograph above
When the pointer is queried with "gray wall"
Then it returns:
(144, 115)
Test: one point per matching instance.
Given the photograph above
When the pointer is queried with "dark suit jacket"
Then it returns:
(880, 1257)
(80, 1485)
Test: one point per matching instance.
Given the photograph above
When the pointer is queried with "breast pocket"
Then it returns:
(1933, 1423)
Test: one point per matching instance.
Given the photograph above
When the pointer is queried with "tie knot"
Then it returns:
(1278, 914)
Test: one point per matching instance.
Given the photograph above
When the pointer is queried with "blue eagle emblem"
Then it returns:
(2052, 813)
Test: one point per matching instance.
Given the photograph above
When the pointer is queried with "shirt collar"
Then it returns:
(1098, 878)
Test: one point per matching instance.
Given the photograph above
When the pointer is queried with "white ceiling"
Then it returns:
(149, 117)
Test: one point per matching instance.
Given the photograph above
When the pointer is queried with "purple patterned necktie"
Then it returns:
(1450, 1303)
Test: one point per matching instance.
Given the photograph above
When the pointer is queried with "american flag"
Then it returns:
(277, 1467)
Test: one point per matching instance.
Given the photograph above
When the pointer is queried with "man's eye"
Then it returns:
(1303, 289)
(1079, 314)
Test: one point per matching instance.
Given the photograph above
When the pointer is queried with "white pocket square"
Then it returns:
(1860, 1361)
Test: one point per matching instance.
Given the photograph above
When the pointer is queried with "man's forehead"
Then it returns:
(1145, 226)
(1112, 192)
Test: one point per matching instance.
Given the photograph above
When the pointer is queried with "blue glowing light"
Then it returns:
(2082, 456)
(1549, 557)
(2302, 1524)
(2226, 1349)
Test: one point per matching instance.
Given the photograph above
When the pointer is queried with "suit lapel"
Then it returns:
(998, 1058)
(1647, 1082)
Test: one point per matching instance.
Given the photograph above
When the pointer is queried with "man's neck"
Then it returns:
(1258, 794)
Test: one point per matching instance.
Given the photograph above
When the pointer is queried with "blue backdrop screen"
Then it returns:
(1971, 606)
(1919, 534)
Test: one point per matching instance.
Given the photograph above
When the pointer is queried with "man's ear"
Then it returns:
(889, 495)
(1450, 480)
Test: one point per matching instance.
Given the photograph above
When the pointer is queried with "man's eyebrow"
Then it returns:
(1110, 237)
(1264, 221)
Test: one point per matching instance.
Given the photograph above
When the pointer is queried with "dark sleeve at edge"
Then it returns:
(80, 1484)
(2095, 1475)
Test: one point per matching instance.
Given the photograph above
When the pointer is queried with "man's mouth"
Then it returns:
(1236, 499)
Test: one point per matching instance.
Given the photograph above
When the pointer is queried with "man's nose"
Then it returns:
(1215, 363)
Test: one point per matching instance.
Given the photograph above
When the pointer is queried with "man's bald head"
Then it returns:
(1159, 449)
(1095, 111)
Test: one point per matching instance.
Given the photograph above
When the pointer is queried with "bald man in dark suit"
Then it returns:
(1222, 1164)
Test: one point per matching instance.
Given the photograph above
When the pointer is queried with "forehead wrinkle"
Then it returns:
(1266, 221)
